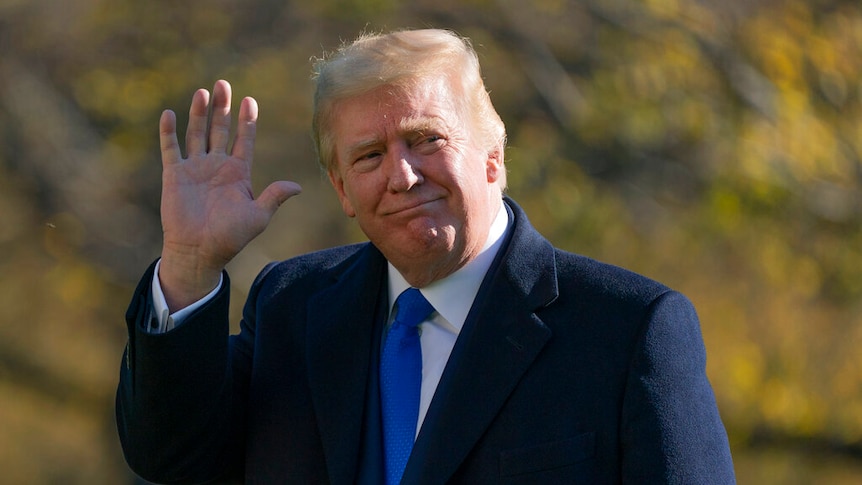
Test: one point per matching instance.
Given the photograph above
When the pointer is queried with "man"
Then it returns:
(537, 365)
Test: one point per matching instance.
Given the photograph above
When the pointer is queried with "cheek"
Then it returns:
(475, 174)
(361, 195)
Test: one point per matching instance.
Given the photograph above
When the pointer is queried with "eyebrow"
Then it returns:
(363, 144)
(418, 124)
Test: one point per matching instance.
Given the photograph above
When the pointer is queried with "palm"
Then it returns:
(209, 212)
(207, 204)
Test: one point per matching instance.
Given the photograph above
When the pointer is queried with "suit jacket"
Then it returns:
(567, 370)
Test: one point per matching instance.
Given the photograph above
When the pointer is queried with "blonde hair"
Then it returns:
(403, 59)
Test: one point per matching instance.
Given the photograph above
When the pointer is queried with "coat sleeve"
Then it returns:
(176, 410)
(671, 429)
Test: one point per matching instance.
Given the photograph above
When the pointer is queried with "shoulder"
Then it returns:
(313, 269)
(317, 261)
(587, 274)
(577, 278)
(600, 289)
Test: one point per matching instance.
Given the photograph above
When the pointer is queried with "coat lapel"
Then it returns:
(500, 339)
(341, 327)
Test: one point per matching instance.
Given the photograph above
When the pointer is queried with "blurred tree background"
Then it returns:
(713, 145)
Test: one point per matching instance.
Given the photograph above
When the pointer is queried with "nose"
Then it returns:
(403, 173)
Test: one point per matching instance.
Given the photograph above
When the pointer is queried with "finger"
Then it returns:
(276, 194)
(168, 138)
(243, 144)
(196, 133)
(220, 122)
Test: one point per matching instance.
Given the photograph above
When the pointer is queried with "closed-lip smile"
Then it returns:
(410, 206)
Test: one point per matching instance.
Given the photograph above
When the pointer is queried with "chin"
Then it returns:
(428, 244)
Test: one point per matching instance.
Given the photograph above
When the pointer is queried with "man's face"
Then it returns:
(410, 170)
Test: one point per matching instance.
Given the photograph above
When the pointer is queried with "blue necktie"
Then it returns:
(401, 381)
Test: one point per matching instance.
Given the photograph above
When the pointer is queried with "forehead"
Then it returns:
(389, 110)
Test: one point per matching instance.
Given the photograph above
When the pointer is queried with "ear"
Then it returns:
(338, 184)
(494, 167)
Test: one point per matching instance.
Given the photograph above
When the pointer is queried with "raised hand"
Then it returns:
(209, 212)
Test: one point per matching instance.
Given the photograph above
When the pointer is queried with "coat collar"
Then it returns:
(501, 338)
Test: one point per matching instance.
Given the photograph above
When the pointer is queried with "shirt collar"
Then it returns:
(453, 295)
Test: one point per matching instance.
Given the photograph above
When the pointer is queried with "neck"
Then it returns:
(423, 270)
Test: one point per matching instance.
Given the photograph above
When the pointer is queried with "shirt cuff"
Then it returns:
(163, 320)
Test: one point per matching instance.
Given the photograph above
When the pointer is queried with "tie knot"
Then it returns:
(413, 308)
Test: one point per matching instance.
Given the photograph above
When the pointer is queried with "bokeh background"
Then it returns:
(715, 145)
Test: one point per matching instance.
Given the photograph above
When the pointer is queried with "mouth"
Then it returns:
(409, 207)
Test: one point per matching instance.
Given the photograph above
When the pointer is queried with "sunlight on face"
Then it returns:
(410, 171)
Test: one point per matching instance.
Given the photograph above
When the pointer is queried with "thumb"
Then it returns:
(276, 194)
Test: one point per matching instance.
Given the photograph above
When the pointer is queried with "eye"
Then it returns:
(367, 161)
(368, 156)
(429, 143)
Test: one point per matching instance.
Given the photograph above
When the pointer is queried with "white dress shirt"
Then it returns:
(165, 320)
(452, 297)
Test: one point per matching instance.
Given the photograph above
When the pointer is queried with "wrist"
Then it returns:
(185, 280)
